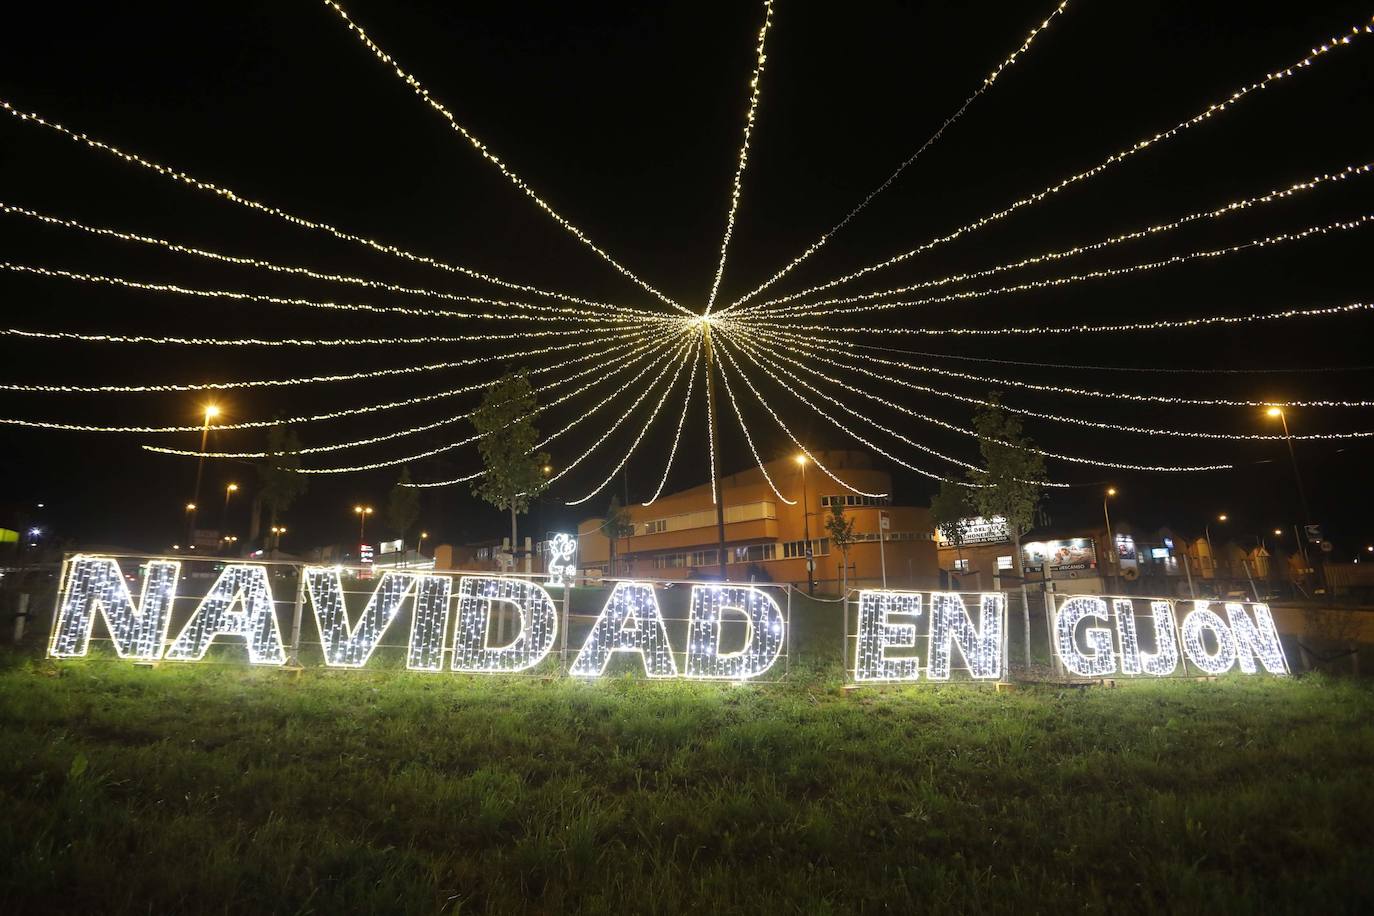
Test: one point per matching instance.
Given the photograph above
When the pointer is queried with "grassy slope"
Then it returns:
(227, 789)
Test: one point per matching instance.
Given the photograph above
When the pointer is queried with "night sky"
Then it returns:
(626, 117)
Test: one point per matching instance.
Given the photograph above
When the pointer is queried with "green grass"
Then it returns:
(227, 789)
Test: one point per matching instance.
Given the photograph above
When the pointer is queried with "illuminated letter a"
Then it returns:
(630, 622)
(243, 586)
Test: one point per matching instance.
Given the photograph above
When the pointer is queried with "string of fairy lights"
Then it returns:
(619, 369)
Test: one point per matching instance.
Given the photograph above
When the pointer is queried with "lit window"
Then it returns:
(1004, 562)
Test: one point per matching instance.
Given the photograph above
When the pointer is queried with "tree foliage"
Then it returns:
(514, 471)
(617, 526)
(280, 482)
(402, 506)
(1011, 482)
(840, 529)
(950, 511)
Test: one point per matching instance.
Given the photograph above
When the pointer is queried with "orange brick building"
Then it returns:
(676, 537)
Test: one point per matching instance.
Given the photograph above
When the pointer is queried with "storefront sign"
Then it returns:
(1158, 637)
(979, 531)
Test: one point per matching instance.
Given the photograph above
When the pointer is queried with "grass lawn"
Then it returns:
(227, 789)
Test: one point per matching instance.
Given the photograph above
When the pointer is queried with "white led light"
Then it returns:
(755, 355)
(1278, 194)
(1199, 620)
(1113, 159)
(755, 86)
(1164, 660)
(809, 310)
(744, 428)
(429, 625)
(562, 548)
(1099, 660)
(223, 193)
(487, 154)
(95, 586)
(981, 647)
(983, 87)
(246, 587)
(878, 635)
(345, 645)
(677, 436)
(630, 622)
(478, 597)
(537, 312)
(764, 625)
(1257, 638)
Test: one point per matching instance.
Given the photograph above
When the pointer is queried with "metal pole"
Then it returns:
(882, 546)
(716, 482)
(295, 659)
(806, 536)
(1112, 555)
(1187, 571)
(200, 466)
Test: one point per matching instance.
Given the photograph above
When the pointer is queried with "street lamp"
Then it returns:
(1297, 478)
(229, 491)
(1211, 551)
(806, 530)
(211, 411)
(1111, 541)
(363, 512)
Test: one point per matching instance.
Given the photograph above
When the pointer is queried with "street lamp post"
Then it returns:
(211, 411)
(1297, 478)
(229, 491)
(806, 531)
(363, 512)
(1115, 558)
(1211, 551)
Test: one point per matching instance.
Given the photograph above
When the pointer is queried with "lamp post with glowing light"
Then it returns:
(277, 532)
(1115, 559)
(806, 531)
(1297, 478)
(211, 411)
(1211, 551)
(362, 512)
(229, 491)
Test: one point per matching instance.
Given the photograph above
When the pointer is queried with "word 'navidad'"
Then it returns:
(240, 605)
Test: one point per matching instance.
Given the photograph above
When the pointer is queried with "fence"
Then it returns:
(150, 609)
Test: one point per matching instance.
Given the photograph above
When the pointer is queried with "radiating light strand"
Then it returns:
(736, 188)
(934, 138)
(491, 157)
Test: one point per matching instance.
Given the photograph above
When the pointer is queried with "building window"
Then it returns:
(656, 526)
(853, 499)
(961, 566)
(1004, 562)
(670, 561)
(819, 548)
(705, 558)
(755, 553)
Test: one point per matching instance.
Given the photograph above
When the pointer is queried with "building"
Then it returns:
(766, 539)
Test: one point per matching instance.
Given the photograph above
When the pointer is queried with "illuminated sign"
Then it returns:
(562, 549)
(979, 531)
(1065, 559)
(1132, 637)
(239, 609)
(900, 635)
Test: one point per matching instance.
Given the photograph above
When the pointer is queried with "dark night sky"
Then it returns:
(626, 118)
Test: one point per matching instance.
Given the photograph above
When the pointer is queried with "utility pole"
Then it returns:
(716, 482)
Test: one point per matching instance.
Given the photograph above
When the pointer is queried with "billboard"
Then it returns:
(1069, 558)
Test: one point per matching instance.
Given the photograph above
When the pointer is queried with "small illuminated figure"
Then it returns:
(562, 549)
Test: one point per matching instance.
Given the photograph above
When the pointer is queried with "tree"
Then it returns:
(950, 511)
(402, 507)
(840, 528)
(1010, 484)
(280, 482)
(514, 471)
(618, 525)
